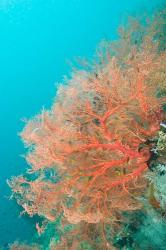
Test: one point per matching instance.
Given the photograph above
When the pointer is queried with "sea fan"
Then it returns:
(97, 138)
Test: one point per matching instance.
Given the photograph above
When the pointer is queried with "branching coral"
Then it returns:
(92, 136)
(95, 136)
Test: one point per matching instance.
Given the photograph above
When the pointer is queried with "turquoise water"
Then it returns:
(38, 39)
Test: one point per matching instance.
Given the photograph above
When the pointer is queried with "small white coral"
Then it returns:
(158, 179)
(150, 177)
(161, 168)
(161, 144)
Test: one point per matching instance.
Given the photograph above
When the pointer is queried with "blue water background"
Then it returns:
(37, 40)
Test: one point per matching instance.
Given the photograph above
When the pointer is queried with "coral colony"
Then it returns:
(99, 153)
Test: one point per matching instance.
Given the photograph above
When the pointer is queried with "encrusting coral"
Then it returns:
(96, 138)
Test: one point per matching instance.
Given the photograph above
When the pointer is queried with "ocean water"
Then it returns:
(38, 40)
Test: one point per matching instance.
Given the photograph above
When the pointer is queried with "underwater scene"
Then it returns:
(83, 125)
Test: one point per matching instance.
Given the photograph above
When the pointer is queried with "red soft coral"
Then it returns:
(92, 137)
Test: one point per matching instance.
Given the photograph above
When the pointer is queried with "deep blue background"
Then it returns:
(37, 38)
